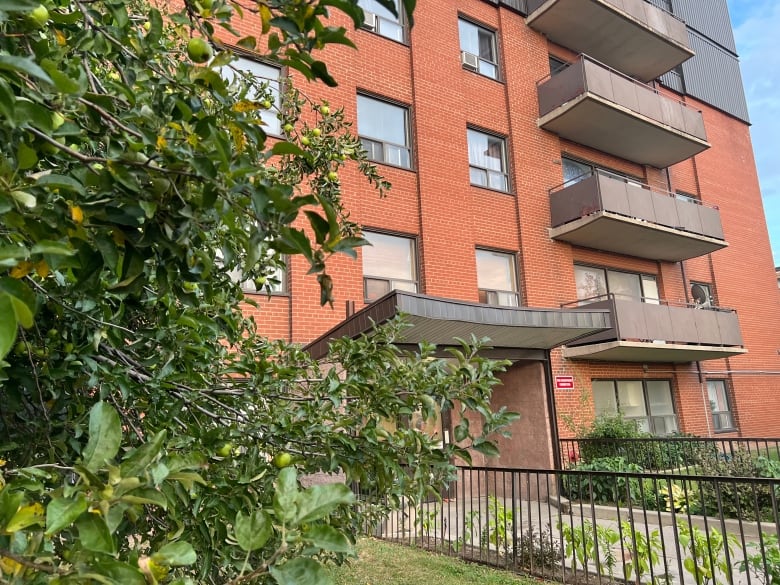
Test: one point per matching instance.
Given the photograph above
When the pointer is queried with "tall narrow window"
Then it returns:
(719, 404)
(380, 20)
(262, 73)
(496, 278)
(478, 48)
(487, 160)
(389, 263)
(384, 131)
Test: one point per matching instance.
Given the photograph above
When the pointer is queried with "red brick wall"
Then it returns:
(435, 203)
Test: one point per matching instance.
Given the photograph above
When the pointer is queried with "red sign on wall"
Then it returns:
(564, 382)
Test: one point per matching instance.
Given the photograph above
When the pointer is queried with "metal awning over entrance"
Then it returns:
(514, 333)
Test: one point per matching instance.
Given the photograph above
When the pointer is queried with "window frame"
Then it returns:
(276, 132)
(716, 414)
(512, 257)
(377, 140)
(648, 416)
(493, 44)
(606, 270)
(504, 160)
(594, 168)
(400, 23)
(414, 268)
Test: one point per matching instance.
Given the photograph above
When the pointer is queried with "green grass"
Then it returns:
(383, 563)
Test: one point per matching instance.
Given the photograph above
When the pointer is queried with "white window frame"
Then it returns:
(496, 180)
(485, 67)
(383, 151)
(390, 28)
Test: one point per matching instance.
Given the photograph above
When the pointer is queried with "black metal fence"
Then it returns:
(575, 526)
(682, 455)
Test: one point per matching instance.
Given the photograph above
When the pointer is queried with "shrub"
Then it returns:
(603, 489)
(606, 439)
(538, 549)
(749, 501)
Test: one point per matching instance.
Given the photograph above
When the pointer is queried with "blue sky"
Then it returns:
(756, 28)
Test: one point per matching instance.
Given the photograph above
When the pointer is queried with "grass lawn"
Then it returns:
(382, 563)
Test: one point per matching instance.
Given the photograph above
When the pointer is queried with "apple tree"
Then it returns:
(148, 433)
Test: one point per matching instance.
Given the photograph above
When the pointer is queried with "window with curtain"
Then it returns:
(487, 160)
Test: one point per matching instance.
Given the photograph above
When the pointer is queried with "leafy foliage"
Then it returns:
(148, 433)
(601, 487)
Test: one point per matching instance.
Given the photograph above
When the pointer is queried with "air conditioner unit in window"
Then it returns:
(469, 60)
(369, 20)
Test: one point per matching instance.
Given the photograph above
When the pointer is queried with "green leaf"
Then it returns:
(94, 534)
(26, 157)
(253, 531)
(486, 448)
(146, 496)
(301, 571)
(284, 147)
(138, 459)
(320, 500)
(22, 300)
(24, 517)
(105, 436)
(18, 5)
(286, 494)
(176, 554)
(24, 198)
(62, 512)
(61, 182)
(328, 538)
(53, 248)
(117, 573)
(23, 65)
(8, 326)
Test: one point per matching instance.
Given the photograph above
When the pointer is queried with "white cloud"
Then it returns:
(756, 28)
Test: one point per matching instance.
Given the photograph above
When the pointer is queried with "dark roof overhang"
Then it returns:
(514, 333)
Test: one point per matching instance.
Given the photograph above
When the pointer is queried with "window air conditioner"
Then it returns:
(469, 60)
(369, 20)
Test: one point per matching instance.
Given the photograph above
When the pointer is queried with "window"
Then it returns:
(388, 264)
(480, 44)
(487, 161)
(261, 73)
(496, 278)
(556, 64)
(384, 131)
(648, 402)
(380, 20)
(719, 403)
(690, 198)
(575, 171)
(594, 283)
(701, 295)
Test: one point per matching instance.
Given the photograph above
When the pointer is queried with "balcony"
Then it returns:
(632, 36)
(658, 331)
(591, 104)
(607, 212)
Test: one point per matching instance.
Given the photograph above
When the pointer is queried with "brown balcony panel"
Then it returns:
(632, 36)
(646, 332)
(606, 212)
(593, 105)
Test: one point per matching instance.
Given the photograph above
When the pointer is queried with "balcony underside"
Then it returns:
(604, 125)
(642, 351)
(639, 39)
(612, 232)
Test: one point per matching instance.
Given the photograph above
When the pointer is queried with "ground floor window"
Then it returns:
(648, 402)
(719, 403)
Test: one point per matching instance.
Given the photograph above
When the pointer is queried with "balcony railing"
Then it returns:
(592, 104)
(633, 36)
(605, 211)
(652, 330)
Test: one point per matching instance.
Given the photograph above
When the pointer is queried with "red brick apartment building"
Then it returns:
(574, 179)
